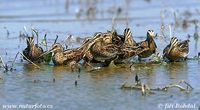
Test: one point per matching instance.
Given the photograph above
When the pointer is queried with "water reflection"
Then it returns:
(98, 87)
(175, 68)
(59, 69)
(109, 71)
(148, 72)
(30, 69)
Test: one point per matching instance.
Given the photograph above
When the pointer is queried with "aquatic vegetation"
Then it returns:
(47, 58)
(6, 66)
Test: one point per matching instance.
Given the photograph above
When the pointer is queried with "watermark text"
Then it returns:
(26, 106)
(177, 106)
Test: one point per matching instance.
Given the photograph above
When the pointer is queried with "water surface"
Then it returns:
(98, 89)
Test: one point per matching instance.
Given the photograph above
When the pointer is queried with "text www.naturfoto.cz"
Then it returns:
(27, 106)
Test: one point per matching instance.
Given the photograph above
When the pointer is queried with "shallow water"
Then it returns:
(98, 89)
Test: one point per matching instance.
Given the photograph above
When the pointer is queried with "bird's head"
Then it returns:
(56, 47)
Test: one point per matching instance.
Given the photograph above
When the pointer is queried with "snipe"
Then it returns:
(128, 48)
(176, 50)
(101, 49)
(64, 57)
(128, 38)
(148, 45)
(33, 51)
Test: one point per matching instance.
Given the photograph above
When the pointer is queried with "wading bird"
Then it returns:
(176, 50)
(101, 49)
(148, 45)
(128, 48)
(33, 51)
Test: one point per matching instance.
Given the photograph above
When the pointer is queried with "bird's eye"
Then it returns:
(55, 46)
(98, 34)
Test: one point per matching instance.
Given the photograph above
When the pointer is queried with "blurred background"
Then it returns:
(81, 19)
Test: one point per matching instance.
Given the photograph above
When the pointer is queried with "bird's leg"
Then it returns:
(139, 59)
(74, 66)
(137, 80)
(88, 57)
(87, 63)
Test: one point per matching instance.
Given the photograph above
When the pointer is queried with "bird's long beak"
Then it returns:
(47, 52)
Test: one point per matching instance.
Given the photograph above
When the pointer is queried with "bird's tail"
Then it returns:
(30, 41)
(128, 37)
(173, 43)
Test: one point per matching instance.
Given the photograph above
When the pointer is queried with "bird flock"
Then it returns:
(105, 47)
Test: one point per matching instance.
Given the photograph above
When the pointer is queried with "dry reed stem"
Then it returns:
(28, 60)
(2, 61)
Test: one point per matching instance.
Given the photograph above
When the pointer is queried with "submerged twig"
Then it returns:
(13, 62)
(5, 65)
(7, 31)
(37, 35)
(146, 89)
(113, 22)
(29, 60)
(176, 85)
(25, 29)
(56, 39)
(45, 39)
(170, 31)
(126, 14)
(2, 61)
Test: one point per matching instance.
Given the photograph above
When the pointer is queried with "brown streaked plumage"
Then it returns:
(129, 47)
(148, 45)
(128, 38)
(116, 38)
(64, 57)
(128, 52)
(176, 50)
(33, 51)
(101, 49)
